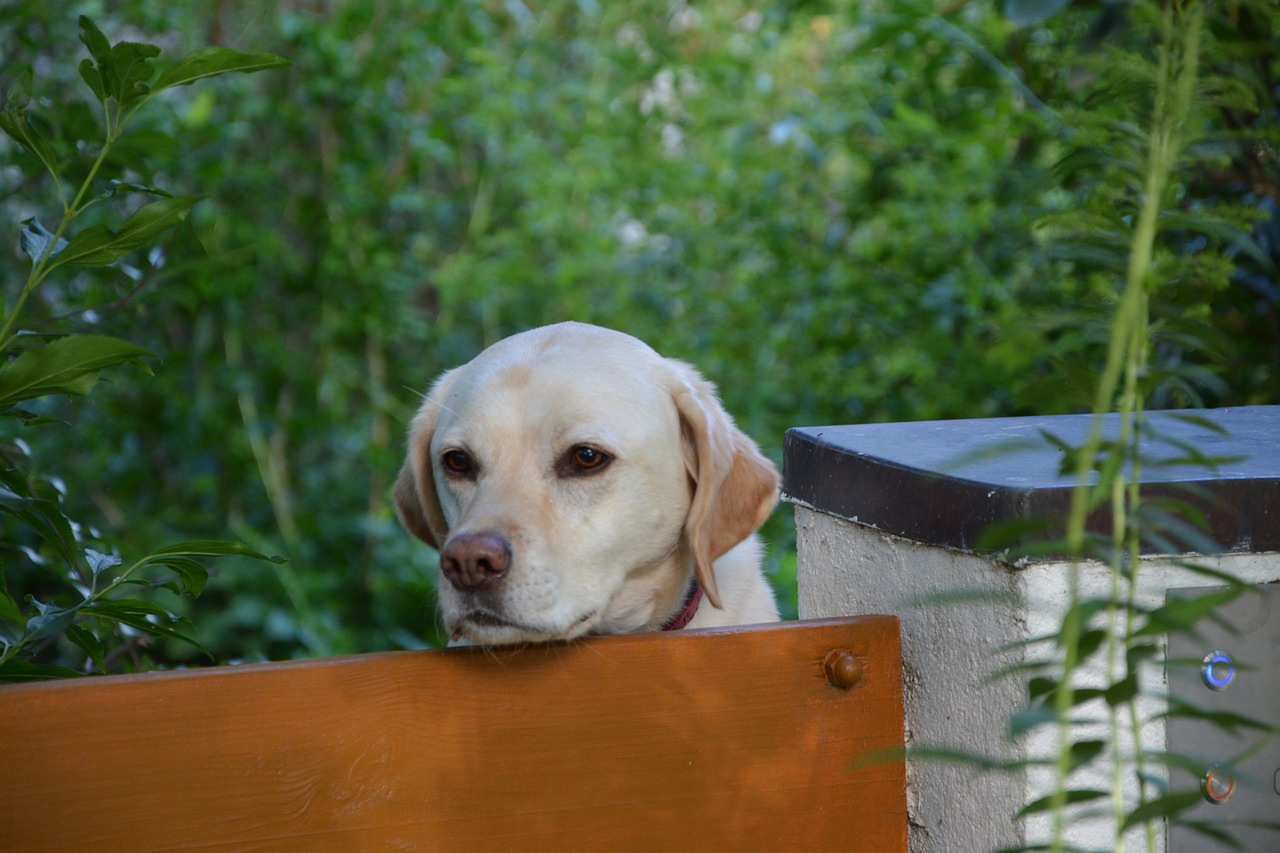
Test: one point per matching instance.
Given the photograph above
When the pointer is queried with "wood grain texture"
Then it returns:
(728, 739)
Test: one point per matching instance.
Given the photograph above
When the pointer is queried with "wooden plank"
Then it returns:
(727, 739)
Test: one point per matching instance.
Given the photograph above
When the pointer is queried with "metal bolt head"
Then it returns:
(1218, 786)
(843, 669)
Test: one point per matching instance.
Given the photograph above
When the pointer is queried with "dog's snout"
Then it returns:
(475, 561)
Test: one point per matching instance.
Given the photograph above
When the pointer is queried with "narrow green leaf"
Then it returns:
(46, 519)
(959, 756)
(14, 122)
(1040, 686)
(1089, 642)
(212, 548)
(15, 670)
(1027, 719)
(146, 617)
(30, 418)
(9, 610)
(133, 607)
(212, 61)
(100, 246)
(1224, 720)
(19, 94)
(1085, 751)
(1044, 804)
(68, 365)
(1200, 421)
(1010, 534)
(15, 481)
(191, 575)
(1161, 808)
(1137, 653)
(115, 188)
(88, 642)
(1180, 614)
(1213, 831)
(1123, 691)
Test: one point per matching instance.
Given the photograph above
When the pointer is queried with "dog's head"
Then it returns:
(569, 477)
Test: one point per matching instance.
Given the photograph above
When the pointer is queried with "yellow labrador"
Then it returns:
(576, 482)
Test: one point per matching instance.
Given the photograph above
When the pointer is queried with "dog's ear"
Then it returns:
(417, 503)
(735, 486)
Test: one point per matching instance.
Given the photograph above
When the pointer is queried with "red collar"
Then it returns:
(684, 615)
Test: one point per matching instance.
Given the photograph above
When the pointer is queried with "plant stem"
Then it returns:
(1127, 356)
(41, 268)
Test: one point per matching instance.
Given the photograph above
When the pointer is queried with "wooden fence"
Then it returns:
(761, 738)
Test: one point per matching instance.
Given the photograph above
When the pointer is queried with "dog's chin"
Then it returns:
(485, 628)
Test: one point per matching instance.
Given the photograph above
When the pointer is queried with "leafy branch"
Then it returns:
(50, 620)
(123, 80)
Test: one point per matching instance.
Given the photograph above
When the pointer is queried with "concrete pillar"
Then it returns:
(888, 519)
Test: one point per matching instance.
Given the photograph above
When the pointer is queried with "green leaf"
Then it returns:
(90, 74)
(959, 756)
(1044, 804)
(120, 71)
(9, 610)
(1224, 720)
(14, 122)
(96, 72)
(68, 365)
(1085, 751)
(88, 642)
(20, 670)
(1216, 832)
(19, 94)
(98, 562)
(1123, 691)
(1161, 808)
(100, 246)
(191, 575)
(146, 617)
(1179, 614)
(212, 61)
(30, 418)
(46, 519)
(131, 63)
(35, 239)
(115, 188)
(50, 621)
(1026, 719)
(211, 548)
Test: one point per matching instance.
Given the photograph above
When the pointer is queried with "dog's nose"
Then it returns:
(475, 561)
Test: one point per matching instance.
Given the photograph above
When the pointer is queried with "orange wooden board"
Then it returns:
(727, 739)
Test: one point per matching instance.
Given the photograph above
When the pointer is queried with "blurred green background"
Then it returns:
(840, 212)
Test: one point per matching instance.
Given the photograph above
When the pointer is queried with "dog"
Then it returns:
(574, 483)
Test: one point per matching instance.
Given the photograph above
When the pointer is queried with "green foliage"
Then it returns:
(84, 607)
(1148, 251)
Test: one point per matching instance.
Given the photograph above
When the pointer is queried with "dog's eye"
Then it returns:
(587, 457)
(584, 459)
(457, 463)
